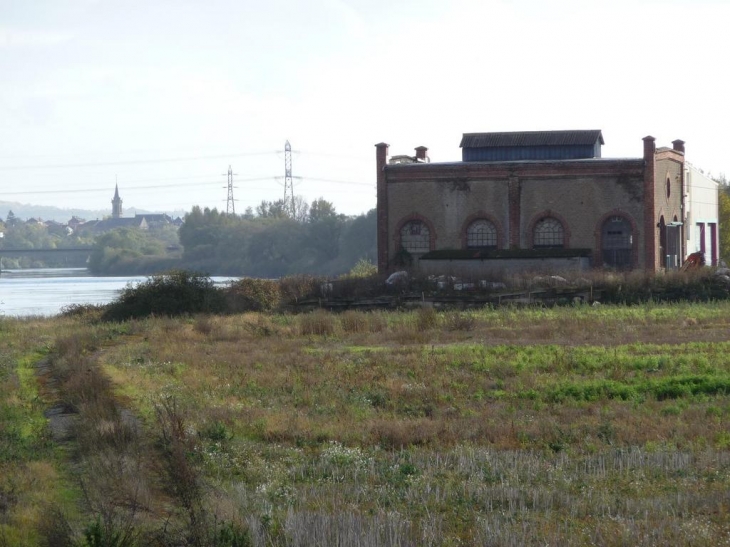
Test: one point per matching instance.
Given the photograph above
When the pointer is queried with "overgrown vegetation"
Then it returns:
(175, 293)
(567, 425)
(187, 293)
(251, 294)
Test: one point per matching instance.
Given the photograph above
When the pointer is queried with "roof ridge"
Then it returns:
(560, 137)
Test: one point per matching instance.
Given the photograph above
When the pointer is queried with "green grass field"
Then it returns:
(564, 426)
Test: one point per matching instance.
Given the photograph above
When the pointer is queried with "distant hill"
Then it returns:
(25, 211)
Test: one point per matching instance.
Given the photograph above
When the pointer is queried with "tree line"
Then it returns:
(723, 216)
(271, 240)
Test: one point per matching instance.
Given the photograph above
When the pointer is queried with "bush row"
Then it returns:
(183, 292)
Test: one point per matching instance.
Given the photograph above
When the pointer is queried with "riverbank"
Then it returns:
(567, 425)
(48, 291)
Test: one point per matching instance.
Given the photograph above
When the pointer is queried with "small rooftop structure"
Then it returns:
(532, 145)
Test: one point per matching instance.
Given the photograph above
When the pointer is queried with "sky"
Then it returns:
(162, 96)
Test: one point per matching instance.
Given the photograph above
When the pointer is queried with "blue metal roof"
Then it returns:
(532, 145)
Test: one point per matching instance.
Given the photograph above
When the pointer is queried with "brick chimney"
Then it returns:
(421, 154)
(678, 145)
(649, 148)
(650, 230)
(381, 160)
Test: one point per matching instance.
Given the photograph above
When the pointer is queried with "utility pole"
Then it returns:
(289, 206)
(231, 203)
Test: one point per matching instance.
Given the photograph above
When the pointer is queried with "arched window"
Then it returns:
(548, 233)
(481, 234)
(415, 237)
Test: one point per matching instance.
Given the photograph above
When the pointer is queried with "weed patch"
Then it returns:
(507, 426)
(661, 389)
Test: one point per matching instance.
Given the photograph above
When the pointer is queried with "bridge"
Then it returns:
(40, 252)
(22, 252)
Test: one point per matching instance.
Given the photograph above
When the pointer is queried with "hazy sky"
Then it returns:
(162, 95)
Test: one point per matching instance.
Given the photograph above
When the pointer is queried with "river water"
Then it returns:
(46, 291)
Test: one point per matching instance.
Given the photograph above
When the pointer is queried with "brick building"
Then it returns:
(538, 199)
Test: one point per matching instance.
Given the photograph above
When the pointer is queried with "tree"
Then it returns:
(724, 220)
(11, 220)
(324, 237)
(271, 209)
(301, 209)
(271, 251)
(120, 245)
(721, 179)
(248, 214)
(202, 231)
(321, 209)
(269, 244)
(359, 239)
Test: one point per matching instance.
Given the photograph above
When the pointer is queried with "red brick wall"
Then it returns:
(381, 158)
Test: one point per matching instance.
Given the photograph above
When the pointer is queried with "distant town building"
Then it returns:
(143, 221)
(116, 203)
(108, 224)
(155, 219)
(75, 222)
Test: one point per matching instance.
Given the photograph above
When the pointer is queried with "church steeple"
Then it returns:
(116, 203)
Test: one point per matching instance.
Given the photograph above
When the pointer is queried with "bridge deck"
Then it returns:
(39, 251)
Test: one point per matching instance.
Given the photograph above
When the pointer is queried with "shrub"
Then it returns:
(87, 312)
(251, 294)
(357, 287)
(295, 287)
(319, 323)
(98, 534)
(174, 293)
(426, 319)
(363, 268)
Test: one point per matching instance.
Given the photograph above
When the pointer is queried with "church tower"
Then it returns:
(116, 203)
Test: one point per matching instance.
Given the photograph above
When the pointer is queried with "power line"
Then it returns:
(331, 155)
(133, 162)
(340, 181)
(172, 182)
(96, 189)
(127, 188)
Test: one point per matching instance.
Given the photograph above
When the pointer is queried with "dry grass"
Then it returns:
(317, 323)
(506, 427)
(353, 321)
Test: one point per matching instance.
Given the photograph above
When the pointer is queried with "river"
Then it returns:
(47, 291)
